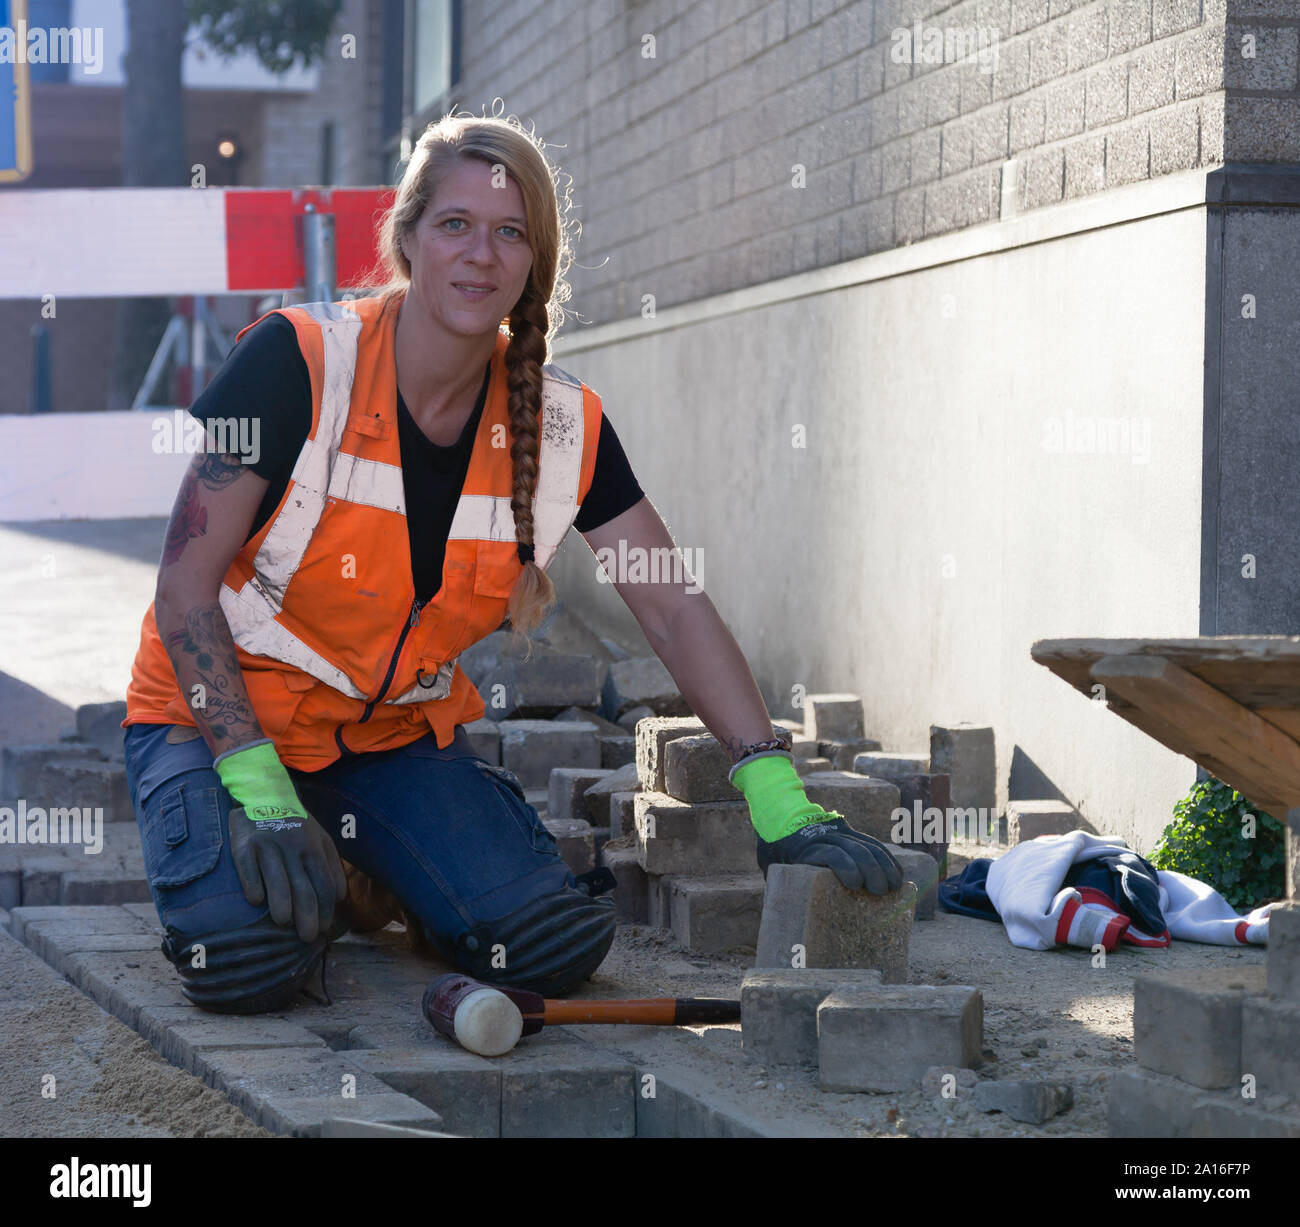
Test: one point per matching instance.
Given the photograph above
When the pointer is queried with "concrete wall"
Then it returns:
(945, 512)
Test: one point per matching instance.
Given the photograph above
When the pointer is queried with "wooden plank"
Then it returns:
(1196, 714)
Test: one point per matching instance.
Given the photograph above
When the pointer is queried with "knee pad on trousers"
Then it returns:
(549, 945)
(245, 971)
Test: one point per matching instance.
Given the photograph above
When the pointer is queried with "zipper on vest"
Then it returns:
(411, 622)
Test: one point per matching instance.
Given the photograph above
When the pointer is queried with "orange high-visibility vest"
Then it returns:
(335, 650)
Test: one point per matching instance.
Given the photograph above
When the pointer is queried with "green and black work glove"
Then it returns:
(282, 854)
(792, 830)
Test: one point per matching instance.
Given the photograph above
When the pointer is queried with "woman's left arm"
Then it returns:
(686, 632)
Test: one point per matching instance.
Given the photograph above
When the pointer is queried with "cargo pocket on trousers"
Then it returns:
(517, 803)
(183, 837)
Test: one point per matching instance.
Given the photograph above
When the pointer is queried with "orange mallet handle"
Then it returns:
(660, 1011)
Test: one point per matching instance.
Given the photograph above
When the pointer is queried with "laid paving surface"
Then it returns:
(369, 1055)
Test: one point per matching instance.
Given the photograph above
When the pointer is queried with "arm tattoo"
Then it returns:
(203, 654)
(189, 518)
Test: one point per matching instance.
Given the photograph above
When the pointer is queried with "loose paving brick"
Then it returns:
(833, 717)
(925, 796)
(866, 804)
(885, 1039)
(920, 869)
(1284, 951)
(462, 1088)
(182, 1034)
(1142, 1104)
(653, 733)
(532, 749)
(778, 1010)
(631, 895)
(808, 915)
(707, 837)
(716, 913)
(566, 788)
(1270, 1046)
(541, 687)
(1032, 1102)
(21, 766)
(576, 842)
(812, 766)
(576, 1092)
(596, 799)
(967, 755)
(630, 720)
(85, 783)
(1029, 819)
(843, 754)
(616, 752)
(100, 725)
(485, 740)
(697, 769)
(641, 682)
(886, 764)
(622, 814)
(1188, 1023)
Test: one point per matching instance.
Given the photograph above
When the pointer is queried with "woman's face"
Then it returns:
(473, 233)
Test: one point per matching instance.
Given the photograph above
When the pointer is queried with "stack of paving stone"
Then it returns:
(1218, 1049)
(67, 830)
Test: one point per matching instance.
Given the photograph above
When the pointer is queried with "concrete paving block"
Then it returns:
(812, 766)
(58, 950)
(808, 915)
(182, 1033)
(632, 894)
(1188, 1023)
(539, 688)
(145, 912)
(81, 921)
(87, 784)
(102, 888)
(622, 814)
(696, 769)
(1029, 1101)
(348, 1127)
(706, 837)
(884, 1039)
(643, 681)
(20, 767)
(1141, 1104)
(461, 1087)
(580, 1093)
(630, 720)
(124, 985)
(674, 1110)
(927, 825)
(4, 919)
(291, 1116)
(595, 800)
(717, 913)
(11, 887)
(652, 734)
(532, 749)
(867, 805)
(485, 740)
(42, 883)
(778, 1011)
(886, 764)
(967, 755)
(659, 894)
(100, 725)
(1283, 951)
(951, 1078)
(1270, 1047)
(566, 789)
(1228, 1115)
(922, 871)
(843, 754)
(1029, 819)
(577, 848)
(616, 752)
(583, 715)
(832, 717)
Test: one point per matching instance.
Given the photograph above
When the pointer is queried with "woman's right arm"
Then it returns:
(209, 524)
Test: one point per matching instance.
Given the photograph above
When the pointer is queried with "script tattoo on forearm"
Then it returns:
(203, 653)
(214, 471)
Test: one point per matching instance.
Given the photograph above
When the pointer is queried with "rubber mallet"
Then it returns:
(489, 1019)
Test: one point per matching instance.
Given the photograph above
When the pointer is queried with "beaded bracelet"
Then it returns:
(783, 740)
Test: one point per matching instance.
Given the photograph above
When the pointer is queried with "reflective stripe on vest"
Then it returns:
(324, 472)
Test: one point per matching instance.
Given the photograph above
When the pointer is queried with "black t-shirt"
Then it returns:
(265, 378)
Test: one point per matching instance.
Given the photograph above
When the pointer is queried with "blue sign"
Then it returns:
(15, 98)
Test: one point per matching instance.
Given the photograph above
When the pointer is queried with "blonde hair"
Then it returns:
(532, 320)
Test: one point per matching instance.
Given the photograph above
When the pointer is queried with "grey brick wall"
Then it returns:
(683, 163)
(288, 152)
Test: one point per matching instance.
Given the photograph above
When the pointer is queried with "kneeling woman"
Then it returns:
(295, 698)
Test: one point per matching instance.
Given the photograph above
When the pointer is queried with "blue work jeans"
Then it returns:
(450, 834)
